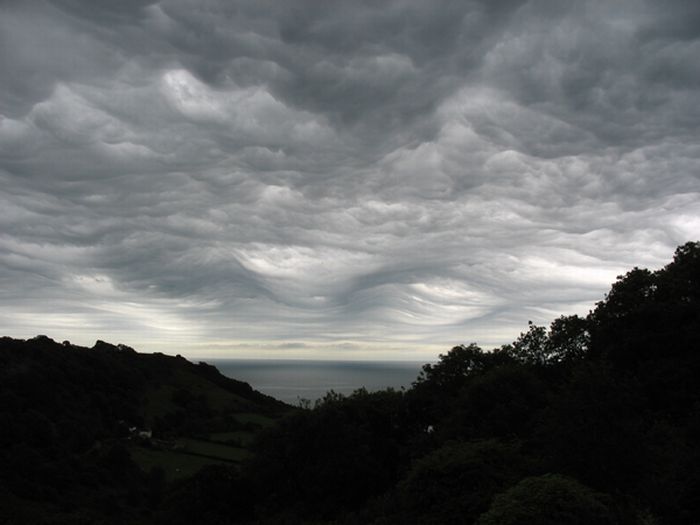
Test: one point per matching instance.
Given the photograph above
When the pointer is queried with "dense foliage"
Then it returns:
(595, 419)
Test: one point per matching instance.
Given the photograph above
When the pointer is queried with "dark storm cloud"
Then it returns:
(338, 177)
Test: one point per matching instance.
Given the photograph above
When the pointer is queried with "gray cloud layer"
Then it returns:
(337, 178)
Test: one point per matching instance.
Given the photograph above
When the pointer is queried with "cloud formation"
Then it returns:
(337, 179)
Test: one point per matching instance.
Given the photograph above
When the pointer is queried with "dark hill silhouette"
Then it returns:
(69, 417)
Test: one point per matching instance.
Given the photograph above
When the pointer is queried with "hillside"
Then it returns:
(93, 428)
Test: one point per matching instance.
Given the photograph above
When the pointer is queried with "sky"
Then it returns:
(337, 180)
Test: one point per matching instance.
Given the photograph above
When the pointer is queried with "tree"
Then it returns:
(320, 463)
(569, 338)
(531, 347)
(649, 316)
(501, 402)
(455, 483)
(453, 369)
(592, 429)
(438, 386)
(548, 500)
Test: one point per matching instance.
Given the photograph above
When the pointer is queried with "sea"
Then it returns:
(295, 380)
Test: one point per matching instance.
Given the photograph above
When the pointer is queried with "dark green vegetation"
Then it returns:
(75, 423)
(595, 420)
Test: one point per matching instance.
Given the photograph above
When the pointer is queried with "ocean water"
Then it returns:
(290, 380)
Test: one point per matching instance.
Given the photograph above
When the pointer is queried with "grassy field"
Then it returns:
(214, 450)
(175, 464)
(242, 437)
(257, 419)
(187, 457)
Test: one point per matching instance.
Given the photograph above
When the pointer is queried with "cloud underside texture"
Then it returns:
(337, 178)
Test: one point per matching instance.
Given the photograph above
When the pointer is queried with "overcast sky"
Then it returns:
(337, 179)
